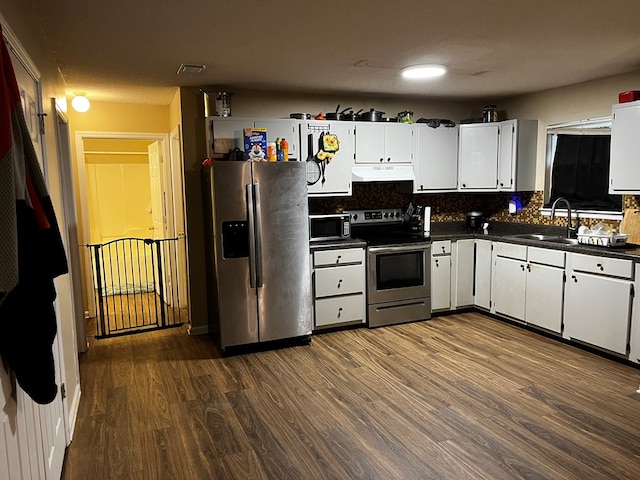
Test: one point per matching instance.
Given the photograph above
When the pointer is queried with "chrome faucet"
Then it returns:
(553, 214)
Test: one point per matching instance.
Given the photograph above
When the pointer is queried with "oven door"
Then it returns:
(399, 272)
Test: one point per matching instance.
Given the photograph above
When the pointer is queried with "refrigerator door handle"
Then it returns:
(252, 241)
(258, 234)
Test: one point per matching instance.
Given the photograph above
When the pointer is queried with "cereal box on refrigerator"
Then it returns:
(255, 144)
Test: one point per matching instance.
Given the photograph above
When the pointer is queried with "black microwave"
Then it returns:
(333, 226)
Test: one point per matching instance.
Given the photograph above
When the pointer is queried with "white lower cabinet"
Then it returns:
(462, 266)
(598, 301)
(339, 287)
(509, 280)
(482, 278)
(441, 275)
(634, 341)
(528, 285)
(544, 288)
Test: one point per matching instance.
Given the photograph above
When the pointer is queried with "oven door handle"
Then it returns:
(397, 249)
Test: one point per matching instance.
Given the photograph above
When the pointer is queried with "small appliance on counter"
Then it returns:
(418, 219)
(331, 226)
(475, 220)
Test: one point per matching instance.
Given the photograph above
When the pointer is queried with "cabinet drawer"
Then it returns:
(339, 280)
(546, 256)
(348, 308)
(441, 247)
(338, 257)
(511, 250)
(615, 267)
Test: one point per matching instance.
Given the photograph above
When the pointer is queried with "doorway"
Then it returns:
(133, 255)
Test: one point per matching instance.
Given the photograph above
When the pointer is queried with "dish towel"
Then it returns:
(31, 250)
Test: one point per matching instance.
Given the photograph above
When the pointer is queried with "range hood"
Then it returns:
(382, 173)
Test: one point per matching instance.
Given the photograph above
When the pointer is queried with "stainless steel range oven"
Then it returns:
(398, 268)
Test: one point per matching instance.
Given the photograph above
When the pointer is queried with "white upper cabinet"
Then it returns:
(497, 156)
(336, 178)
(380, 142)
(624, 165)
(436, 158)
(227, 133)
(517, 155)
(478, 157)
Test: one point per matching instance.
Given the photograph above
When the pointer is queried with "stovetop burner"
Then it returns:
(383, 227)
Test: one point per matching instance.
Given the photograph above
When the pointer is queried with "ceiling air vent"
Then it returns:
(191, 68)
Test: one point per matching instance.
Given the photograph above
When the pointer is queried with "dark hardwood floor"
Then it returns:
(457, 397)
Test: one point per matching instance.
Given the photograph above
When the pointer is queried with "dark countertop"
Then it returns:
(502, 231)
(333, 244)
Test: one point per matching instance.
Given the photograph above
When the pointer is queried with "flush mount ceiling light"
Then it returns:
(424, 71)
(80, 102)
(191, 68)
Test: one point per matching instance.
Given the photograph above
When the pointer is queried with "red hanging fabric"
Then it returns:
(31, 250)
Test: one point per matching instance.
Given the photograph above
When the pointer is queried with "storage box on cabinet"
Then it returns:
(339, 287)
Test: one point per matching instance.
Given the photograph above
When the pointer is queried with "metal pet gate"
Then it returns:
(136, 285)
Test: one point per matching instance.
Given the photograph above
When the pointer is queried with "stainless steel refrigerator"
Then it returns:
(261, 252)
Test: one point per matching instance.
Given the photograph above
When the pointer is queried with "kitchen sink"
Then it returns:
(543, 237)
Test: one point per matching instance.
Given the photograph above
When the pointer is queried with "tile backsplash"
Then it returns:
(447, 207)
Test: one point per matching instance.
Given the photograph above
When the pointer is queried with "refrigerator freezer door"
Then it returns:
(282, 233)
(237, 301)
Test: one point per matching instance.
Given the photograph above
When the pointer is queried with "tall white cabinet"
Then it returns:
(624, 164)
(336, 179)
(495, 157)
(435, 159)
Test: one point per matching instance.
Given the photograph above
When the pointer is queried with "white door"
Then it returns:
(507, 156)
(32, 435)
(177, 195)
(478, 157)
(462, 253)
(544, 297)
(441, 282)
(482, 279)
(158, 215)
(509, 287)
(398, 143)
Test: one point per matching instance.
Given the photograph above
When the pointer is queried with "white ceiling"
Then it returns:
(130, 50)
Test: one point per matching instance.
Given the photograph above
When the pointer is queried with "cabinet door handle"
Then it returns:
(599, 265)
(339, 312)
(437, 263)
(522, 267)
(444, 250)
(574, 278)
(381, 160)
(389, 159)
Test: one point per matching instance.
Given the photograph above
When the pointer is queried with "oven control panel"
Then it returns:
(385, 215)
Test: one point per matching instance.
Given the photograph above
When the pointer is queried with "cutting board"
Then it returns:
(631, 225)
